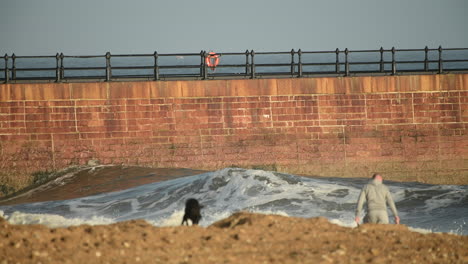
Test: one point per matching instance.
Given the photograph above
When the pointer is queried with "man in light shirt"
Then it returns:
(377, 196)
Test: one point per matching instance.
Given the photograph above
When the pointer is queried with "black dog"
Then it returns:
(192, 212)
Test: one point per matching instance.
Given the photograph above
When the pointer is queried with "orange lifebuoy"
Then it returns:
(212, 60)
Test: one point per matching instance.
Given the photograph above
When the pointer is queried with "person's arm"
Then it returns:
(360, 204)
(391, 203)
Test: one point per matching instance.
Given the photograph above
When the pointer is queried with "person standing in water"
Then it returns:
(377, 196)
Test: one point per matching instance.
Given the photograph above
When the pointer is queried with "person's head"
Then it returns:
(377, 177)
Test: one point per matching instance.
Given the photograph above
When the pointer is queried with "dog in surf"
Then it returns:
(192, 211)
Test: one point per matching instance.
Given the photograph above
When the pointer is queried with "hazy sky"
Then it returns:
(89, 27)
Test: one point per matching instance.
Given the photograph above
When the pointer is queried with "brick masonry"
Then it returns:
(410, 128)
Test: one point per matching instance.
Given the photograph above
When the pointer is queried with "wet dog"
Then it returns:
(192, 212)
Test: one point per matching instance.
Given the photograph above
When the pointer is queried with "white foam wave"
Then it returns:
(231, 190)
(175, 219)
(53, 221)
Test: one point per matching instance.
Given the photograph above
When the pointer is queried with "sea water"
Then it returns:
(423, 207)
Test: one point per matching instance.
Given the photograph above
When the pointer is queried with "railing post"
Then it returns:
(292, 62)
(382, 67)
(337, 65)
(62, 69)
(205, 65)
(426, 59)
(7, 74)
(393, 61)
(252, 66)
(299, 52)
(346, 62)
(108, 67)
(156, 66)
(441, 66)
(202, 64)
(246, 63)
(57, 67)
(13, 66)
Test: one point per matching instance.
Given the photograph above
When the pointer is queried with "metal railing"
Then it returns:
(248, 64)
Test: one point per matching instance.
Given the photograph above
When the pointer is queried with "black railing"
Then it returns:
(248, 64)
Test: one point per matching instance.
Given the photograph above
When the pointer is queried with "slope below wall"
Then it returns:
(409, 128)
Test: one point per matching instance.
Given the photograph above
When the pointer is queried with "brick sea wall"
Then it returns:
(410, 128)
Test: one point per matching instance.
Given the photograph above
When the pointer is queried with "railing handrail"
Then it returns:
(227, 53)
(293, 63)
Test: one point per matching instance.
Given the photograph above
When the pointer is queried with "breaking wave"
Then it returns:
(423, 207)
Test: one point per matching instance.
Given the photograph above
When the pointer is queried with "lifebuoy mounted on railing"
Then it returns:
(212, 60)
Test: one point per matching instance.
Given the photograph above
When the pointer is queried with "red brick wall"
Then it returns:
(410, 128)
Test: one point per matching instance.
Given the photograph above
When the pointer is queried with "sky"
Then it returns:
(92, 27)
